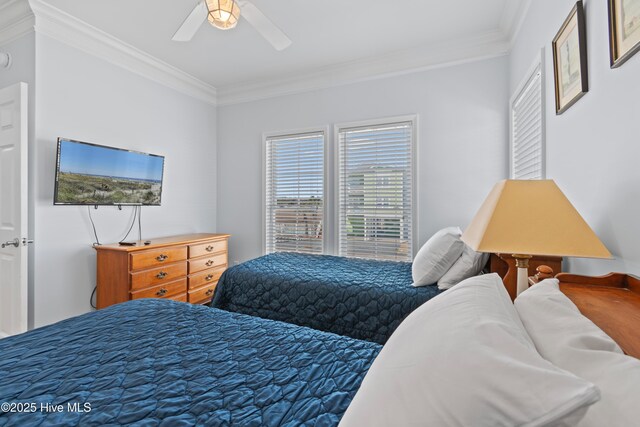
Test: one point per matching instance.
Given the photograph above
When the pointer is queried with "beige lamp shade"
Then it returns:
(532, 218)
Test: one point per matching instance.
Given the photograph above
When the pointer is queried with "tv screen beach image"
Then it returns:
(95, 175)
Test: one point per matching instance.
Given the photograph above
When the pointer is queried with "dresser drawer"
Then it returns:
(157, 257)
(207, 248)
(202, 294)
(205, 277)
(156, 276)
(204, 263)
(180, 297)
(166, 290)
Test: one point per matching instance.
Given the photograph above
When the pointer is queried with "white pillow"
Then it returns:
(437, 256)
(468, 265)
(464, 359)
(571, 341)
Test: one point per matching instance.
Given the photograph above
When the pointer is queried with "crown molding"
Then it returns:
(65, 28)
(512, 18)
(488, 45)
(16, 20)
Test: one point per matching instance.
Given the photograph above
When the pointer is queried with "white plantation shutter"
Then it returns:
(295, 193)
(376, 191)
(527, 133)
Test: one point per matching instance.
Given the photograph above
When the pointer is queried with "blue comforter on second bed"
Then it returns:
(158, 362)
(363, 299)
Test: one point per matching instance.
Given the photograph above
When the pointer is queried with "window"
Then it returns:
(527, 127)
(294, 207)
(376, 190)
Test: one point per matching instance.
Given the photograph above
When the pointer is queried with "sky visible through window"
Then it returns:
(302, 179)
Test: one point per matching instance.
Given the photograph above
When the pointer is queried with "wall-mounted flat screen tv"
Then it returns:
(90, 174)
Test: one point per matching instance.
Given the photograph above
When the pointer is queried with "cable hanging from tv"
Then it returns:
(137, 213)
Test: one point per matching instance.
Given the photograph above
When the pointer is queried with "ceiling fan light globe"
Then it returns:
(223, 14)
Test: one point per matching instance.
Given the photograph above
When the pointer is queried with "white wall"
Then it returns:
(23, 69)
(82, 97)
(593, 148)
(462, 145)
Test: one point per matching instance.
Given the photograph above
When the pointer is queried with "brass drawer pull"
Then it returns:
(161, 292)
(161, 275)
(209, 263)
(209, 248)
(209, 277)
(209, 292)
(162, 257)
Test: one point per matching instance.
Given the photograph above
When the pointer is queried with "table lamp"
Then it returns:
(527, 218)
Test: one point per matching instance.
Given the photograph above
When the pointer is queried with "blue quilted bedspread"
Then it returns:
(156, 362)
(359, 298)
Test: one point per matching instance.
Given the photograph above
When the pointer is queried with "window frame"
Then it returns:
(539, 62)
(413, 118)
(325, 211)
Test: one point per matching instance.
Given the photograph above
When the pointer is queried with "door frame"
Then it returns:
(21, 323)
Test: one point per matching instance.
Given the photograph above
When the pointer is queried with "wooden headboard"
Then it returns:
(612, 302)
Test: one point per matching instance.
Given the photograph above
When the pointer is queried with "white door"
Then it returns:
(13, 209)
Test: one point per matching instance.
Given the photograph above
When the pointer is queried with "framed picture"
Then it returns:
(624, 30)
(570, 60)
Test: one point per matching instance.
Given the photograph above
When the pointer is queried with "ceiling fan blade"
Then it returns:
(264, 26)
(191, 25)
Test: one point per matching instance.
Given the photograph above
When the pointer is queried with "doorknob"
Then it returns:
(15, 242)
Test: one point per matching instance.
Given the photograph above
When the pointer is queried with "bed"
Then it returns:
(158, 362)
(362, 299)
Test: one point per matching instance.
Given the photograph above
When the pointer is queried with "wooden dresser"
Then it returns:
(182, 268)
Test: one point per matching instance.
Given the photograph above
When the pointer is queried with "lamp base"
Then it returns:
(522, 262)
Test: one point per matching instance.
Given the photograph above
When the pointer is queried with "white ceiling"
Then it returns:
(324, 32)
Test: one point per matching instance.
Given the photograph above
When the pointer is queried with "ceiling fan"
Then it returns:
(224, 14)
